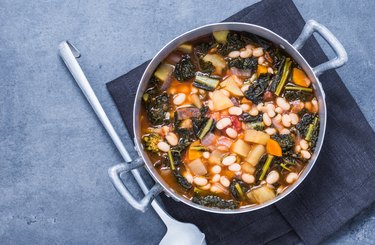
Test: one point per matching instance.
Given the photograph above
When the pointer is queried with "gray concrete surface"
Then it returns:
(54, 154)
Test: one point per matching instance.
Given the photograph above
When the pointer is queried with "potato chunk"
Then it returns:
(261, 194)
(197, 167)
(255, 136)
(255, 154)
(220, 101)
(241, 148)
(217, 61)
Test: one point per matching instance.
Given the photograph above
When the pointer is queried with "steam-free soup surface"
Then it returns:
(229, 120)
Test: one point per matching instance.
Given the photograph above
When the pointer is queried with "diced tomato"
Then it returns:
(236, 123)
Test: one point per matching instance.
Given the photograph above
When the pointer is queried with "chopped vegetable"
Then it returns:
(185, 48)
(220, 36)
(244, 64)
(261, 194)
(150, 142)
(283, 165)
(266, 166)
(261, 70)
(257, 89)
(312, 132)
(296, 88)
(255, 154)
(197, 167)
(187, 112)
(192, 153)
(217, 61)
(184, 69)
(207, 128)
(238, 188)
(233, 43)
(241, 148)
(220, 101)
(274, 148)
(206, 83)
(299, 77)
(285, 141)
(164, 72)
(255, 136)
(284, 77)
(215, 201)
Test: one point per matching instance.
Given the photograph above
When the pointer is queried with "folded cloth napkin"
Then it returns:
(340, 184)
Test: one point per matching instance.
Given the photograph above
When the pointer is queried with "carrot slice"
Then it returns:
(274, 148)
(193, 154)
(300, 78)
(261, 70)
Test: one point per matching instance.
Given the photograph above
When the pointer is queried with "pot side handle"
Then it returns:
(312, 26)
(114, 173)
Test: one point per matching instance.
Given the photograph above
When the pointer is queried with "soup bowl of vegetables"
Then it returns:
(229, 117)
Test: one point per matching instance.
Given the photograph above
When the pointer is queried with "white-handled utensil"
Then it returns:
(177, 232)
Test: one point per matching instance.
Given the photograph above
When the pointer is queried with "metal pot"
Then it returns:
(292, 49)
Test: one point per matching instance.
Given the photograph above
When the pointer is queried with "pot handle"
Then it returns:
(312, 26)
(114, 173)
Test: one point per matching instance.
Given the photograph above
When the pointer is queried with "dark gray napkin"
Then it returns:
(338, 187)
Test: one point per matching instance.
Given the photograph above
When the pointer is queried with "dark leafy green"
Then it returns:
(214, 201)
(238, 188)
(157, 106)
(206, 67)
(286, 141)
(244, 64)
(185, 69)
(181, 180)
(233, 43)
(257, 88)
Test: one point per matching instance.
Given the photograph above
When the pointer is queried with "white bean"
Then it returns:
(206, 154)
(305, 154)
(278, 118)
(246, 53)
(270, 131)
(215, 178)
(297, 148)
(248, 178)
(201, 181)
(224, 181)
(279, 110)
(163, 146)
(165, 130)
(267, 120)
(222, 123)
(216, 169)
(281, 102)
(229, 160)
(294, 118)
(250, 46)
(235, 110)
(188, 177)
(206, 187)
(260, 106)
(234, 54)
(215, 189)
(258, 52)
(271, 113)
(286, 120)
(245, 107)
(194, 90)
(253, 111)
(179, 99)
(285, 131)
(260, 60)
(234, 167)
(231, 133)
(270, 70)
(304, 145)
(291, 177)
(172, 139)
(272, 177)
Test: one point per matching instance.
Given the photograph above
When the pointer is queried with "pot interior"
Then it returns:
(194, 34)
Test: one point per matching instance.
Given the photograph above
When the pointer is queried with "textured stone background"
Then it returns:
(54, 154)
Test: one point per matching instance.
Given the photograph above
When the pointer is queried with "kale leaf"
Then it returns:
(214, 201)
(257, 89)
(244, 64)
(294, 95)
(206, 67)
(185, 69)
(303, 125)
(156, 106)
(238, 188)
(181, 180)
(286, 141)
(233, 43)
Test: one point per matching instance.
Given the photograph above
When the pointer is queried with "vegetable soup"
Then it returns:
(229, 120)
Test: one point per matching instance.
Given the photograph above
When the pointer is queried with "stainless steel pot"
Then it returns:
(292, 49)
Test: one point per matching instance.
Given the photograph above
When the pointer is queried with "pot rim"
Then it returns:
(260, 31)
